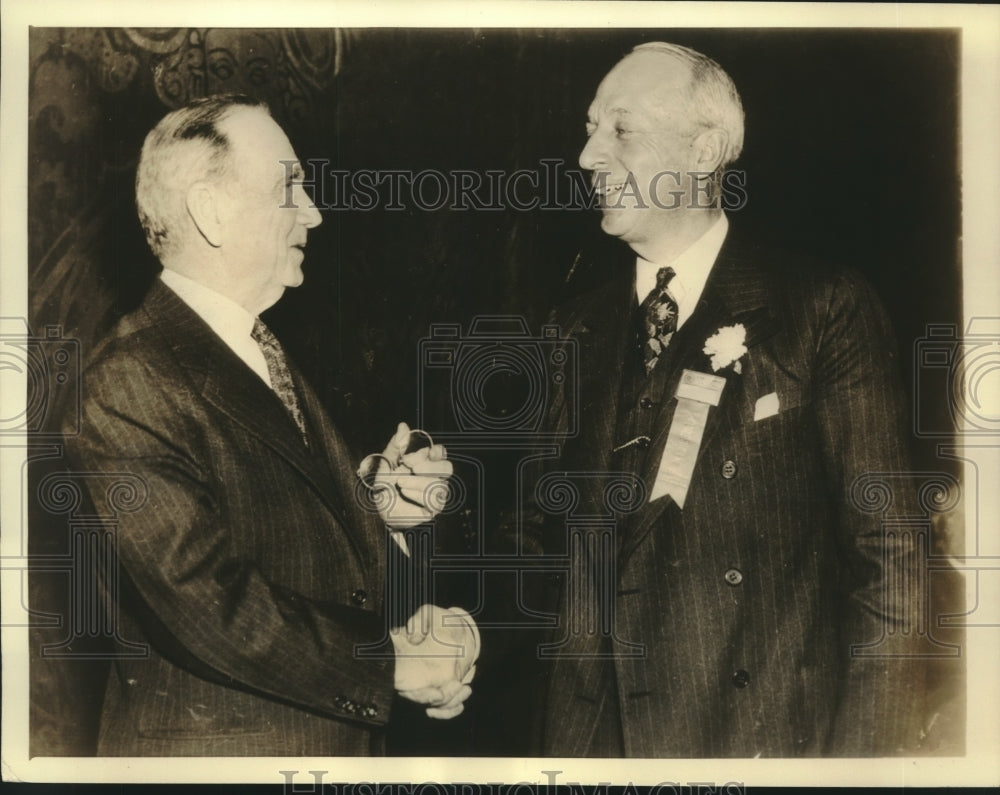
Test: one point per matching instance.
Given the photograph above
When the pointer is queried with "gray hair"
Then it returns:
(184, 147)
(713, 100)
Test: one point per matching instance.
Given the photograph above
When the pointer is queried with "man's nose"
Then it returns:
(593, 155)
(309, 215)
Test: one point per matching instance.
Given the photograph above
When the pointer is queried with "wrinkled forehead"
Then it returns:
(647, 83)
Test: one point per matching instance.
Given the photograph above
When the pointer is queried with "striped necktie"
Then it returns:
(281, 376)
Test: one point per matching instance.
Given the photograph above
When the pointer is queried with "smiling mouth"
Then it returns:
(608, 190)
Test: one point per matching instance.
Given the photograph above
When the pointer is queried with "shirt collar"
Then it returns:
(691, 268)
(225, 317)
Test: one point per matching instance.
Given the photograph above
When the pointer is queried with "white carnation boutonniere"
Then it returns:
(726, 347)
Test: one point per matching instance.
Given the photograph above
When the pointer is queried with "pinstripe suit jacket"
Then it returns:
(250, 573)
(734, 617)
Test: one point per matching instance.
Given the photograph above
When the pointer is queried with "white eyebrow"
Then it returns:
(592, 115)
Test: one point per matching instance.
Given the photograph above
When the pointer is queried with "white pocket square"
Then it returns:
(765, 407)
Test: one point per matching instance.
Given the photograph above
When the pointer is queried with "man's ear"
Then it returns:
(711, 147)
(202, 201)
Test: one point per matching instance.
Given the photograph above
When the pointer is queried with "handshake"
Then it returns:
(436, 655)
(436, 651)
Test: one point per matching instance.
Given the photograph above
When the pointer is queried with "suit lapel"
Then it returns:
(340, 466)
(736, 293)
(232, 387)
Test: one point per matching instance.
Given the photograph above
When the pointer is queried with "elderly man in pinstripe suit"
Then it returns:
(743, 596)
(252, 574)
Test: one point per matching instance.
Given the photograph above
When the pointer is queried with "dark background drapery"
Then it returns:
(851, 154)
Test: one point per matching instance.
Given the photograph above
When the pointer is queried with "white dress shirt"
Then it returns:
(691, 269)
(225, 317)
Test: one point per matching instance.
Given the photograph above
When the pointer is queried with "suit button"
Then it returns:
(728, 469)
(359, 597)
(741, 678)
(734, 576)
(646, 403)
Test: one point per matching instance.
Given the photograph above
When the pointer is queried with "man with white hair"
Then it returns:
(248, 569)
(745, 603)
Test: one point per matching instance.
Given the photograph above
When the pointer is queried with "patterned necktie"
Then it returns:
(281, 376)
(659, 319)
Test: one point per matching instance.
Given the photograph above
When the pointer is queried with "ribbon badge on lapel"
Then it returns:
(696, 393)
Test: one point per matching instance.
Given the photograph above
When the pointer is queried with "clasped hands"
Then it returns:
(436, 655)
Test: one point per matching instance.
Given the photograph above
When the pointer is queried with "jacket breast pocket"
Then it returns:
(775, 408)
(772, 395)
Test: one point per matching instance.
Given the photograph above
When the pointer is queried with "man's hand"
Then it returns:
(435, 659)
(410, 487)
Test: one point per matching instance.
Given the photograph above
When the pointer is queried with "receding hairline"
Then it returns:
(236, 110)
(658, 73)
(664, 61)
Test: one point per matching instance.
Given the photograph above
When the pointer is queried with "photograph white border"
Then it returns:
(980, 174)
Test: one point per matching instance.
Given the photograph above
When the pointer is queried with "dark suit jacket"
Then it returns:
(746, 603)
(249, 571)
